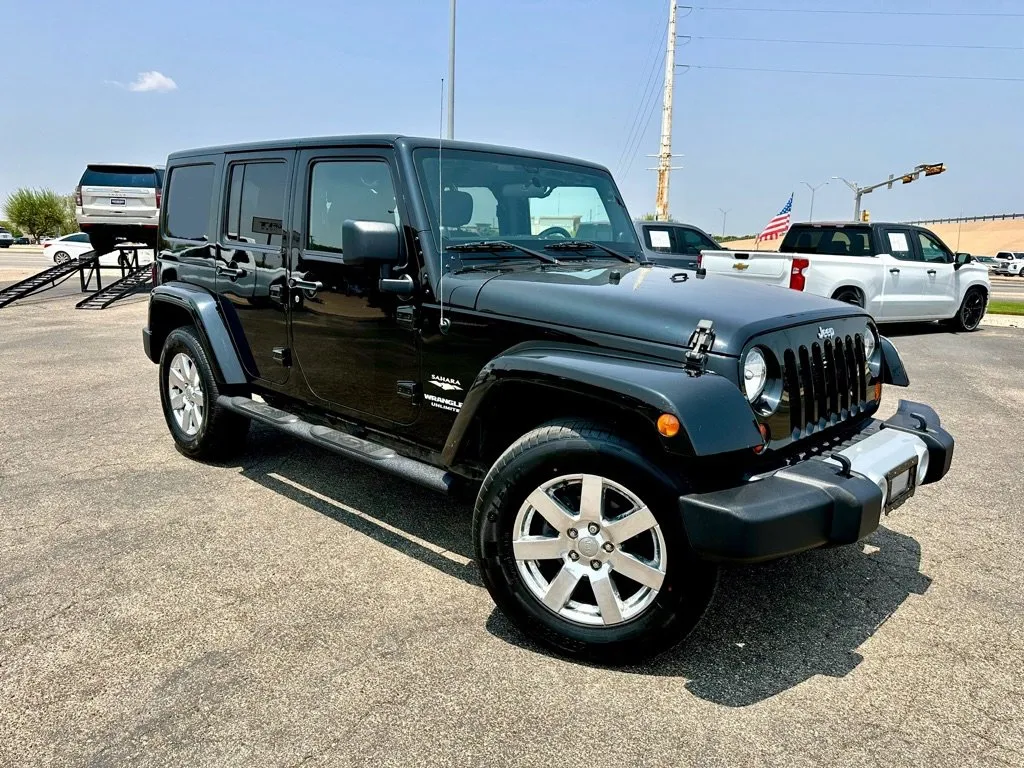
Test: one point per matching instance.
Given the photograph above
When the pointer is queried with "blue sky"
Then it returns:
(564, 76)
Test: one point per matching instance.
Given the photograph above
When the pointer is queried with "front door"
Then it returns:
(905, 289)
(355, 345)
(940, 275)
(251, 273)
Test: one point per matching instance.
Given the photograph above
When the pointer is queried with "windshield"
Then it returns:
(526, 201)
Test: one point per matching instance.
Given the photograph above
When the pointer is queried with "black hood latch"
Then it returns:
(701, 341)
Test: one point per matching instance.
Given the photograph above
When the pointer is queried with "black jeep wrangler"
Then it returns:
(474, 317)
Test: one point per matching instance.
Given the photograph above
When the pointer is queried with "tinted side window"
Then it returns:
(932, 250)
(658, 239)
(79, 238)
(692, 242)
(256, 196)
(188, 202)
(340, 190)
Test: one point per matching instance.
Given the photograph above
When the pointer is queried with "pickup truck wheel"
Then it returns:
(580, 544)
(188, 393)
(972, 310)
(849, 296)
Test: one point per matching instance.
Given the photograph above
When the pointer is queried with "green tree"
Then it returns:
(41, 212)
(68, 222)
(653, 217)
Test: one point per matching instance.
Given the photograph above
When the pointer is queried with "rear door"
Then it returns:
(249, 254)
(120, 191)
(940, 276)
(905, 290)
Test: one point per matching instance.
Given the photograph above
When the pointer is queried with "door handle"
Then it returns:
(232, 272)
(305, 285)
(894, 271)
(932, 272)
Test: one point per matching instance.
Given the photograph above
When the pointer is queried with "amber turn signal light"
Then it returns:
(668, 425)
(765, 435)
(878, 391)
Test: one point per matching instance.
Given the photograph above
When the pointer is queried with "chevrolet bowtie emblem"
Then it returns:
(740, 265)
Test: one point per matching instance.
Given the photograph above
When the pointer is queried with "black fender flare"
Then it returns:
(207, 317)
(893, 370)
(714, 416)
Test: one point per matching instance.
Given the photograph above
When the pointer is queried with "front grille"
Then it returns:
(826, 383)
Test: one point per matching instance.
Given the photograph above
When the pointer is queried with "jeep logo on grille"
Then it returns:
(826, 333)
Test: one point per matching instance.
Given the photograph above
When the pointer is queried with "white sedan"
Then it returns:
(63, 249)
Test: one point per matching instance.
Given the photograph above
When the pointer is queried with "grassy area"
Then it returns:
(1005, 308)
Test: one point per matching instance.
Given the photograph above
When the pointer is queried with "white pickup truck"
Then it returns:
(898, 272)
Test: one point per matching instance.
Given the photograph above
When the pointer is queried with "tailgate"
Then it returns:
(114, 201)
(769, 267)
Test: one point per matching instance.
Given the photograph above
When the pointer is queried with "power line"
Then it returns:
(637, 115)
(909, 76)
(991, 14)
(640, 137)
(857, 42)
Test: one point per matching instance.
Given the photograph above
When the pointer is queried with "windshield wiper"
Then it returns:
(584, 245)
(500, 245)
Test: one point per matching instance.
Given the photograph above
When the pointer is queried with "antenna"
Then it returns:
(445, 323)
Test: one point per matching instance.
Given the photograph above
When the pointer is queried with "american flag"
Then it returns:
(779, 225)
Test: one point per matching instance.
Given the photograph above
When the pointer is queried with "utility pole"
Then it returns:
(725, 212)
(665, 150)
(451, 75)
(813, 190)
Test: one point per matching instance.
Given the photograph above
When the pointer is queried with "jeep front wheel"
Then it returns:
(580, 543)
(188, 393)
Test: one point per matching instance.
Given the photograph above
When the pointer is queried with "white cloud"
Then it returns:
(149, 81)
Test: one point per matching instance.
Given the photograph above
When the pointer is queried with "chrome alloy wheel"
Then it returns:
(589, 549)
(185, 390)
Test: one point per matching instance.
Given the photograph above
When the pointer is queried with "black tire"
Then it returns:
(221, 433)
(564, 448)
(849, 296)
(101, 242)
(61, 257)
(969, 316)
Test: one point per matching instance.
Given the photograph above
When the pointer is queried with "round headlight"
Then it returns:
(755, 374)
(870, 344)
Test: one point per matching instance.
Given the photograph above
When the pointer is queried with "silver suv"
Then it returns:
(119, 200)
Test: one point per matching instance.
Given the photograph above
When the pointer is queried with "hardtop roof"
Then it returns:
(376, 140)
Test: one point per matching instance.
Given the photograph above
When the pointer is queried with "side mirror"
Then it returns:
(364, 242)
(963, 258)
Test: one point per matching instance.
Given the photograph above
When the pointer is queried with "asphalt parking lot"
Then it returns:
(294, 608)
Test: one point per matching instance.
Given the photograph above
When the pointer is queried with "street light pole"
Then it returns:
(451, 75)
(813, 190)
(725, 212)
(928, 169)
(857, 195)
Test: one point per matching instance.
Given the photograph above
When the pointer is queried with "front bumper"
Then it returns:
(818, 502)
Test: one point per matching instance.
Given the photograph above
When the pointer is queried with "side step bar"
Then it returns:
(342, 443)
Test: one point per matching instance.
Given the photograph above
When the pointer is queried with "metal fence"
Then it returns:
(956, 220)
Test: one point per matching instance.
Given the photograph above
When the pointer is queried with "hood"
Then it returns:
(652, 303)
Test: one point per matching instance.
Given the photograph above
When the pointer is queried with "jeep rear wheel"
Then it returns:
(188, 392)
(580, 543)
